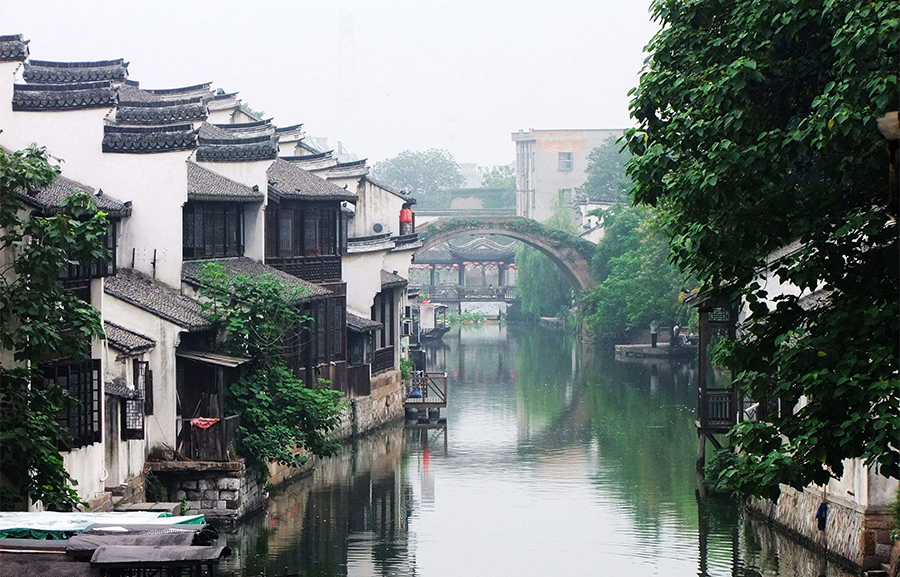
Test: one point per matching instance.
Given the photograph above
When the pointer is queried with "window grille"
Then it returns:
(82, 414)
(213, 229)
(565, 161)
(336, 328)
(134, 409)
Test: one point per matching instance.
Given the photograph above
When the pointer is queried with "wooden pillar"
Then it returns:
(461, 280)
(501, 277)
(431, 274)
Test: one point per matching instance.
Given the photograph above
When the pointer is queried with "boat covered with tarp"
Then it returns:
(111, 545)
(57, 525)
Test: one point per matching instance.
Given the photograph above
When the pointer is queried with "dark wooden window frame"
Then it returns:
(83, 415)
(316, 229)
(212, 229)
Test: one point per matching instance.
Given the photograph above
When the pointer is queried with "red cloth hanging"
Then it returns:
(203, 422)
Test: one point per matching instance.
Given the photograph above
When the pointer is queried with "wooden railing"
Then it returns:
(209, 444)
(718, 409)
(463, 293)
(427, 389)
(311, 268)
(383, 361)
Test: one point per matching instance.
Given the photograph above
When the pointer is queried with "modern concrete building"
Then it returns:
(550, 166)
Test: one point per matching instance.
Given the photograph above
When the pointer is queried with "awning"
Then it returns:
(216, 359)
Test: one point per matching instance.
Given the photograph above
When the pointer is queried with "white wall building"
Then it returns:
(550, 166)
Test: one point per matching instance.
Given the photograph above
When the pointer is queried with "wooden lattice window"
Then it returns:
(134, 409)
(336, 326)
(83, 415)
(213, 229)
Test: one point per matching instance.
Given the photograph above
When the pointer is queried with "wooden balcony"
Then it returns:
(718, 409)
(426, 390)
(383, 361)
(311, 268)
(196, 443)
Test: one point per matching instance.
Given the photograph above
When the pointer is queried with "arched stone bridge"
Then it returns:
(570, 253)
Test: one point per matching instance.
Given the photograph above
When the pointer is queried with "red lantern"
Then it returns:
(500, 263)
(465, 263)
(456, 266)
(494, 263)
(430, 267)
(440, 267)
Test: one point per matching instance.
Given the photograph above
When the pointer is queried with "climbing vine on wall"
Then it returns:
(279, 412)
(39, 321)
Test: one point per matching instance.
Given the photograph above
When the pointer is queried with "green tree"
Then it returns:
(606, 178)
(279, 413)
(543, 289)
(40, 321)
(756, 129)
(637, 283)
(502, 177)
(425, 172)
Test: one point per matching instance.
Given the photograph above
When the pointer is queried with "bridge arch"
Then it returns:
(570, 253)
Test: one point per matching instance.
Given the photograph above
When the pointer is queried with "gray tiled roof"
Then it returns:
(13, 48)
(242, 143)
(40, 97)
(312, 148)
(129, 342)
(192, 270)
(439, 254)
(45, 72)
(312, 162)
(159, 300)
(391, 280)
(349, 169)
(193, 110)
(290, 128)
(481, 249)
(49, 199)
(361, 324)
(391, 189)
(289, 181)
(201, 89)
(242, 129)
(203, 184)
(131, 93)
(148, 139)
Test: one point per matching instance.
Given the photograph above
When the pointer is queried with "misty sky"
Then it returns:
(381, 76)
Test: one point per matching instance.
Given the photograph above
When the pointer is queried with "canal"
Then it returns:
(554, 461)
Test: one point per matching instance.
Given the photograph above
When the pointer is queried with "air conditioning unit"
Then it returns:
(379, 228)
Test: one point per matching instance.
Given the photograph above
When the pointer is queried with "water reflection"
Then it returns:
(554, 460)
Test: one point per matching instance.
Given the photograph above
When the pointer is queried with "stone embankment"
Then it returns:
(855, 536)
(226, 491)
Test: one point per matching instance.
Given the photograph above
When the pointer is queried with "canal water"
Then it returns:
(554, 460)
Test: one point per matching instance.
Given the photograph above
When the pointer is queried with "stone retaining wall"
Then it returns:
(853, 536)
(363, 414)
(222, 492)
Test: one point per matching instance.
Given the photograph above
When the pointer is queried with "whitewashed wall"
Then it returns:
(375, 205)
(250, 174)
(159, 428)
